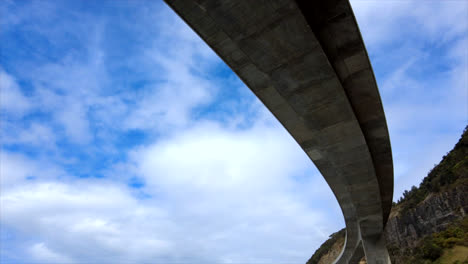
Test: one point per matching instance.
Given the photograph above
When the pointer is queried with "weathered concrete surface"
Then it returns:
(335, 27)
(307, 63)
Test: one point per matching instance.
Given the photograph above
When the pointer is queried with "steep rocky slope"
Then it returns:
(429, 224)
(432, 215)
(423, 233)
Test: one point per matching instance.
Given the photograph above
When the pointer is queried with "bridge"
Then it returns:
(306, 61)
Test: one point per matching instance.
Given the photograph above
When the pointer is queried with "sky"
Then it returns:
(125, 139)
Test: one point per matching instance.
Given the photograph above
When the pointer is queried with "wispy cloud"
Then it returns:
(40, 252)
(420, 60)
(84, 222)
(212, 169)
(13, 101)
(17, 169)
(125, 138)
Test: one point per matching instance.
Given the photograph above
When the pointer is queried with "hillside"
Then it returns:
(429, 223)
(329, 250)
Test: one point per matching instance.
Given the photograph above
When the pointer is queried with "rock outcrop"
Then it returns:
(434, 214)
(416, 231)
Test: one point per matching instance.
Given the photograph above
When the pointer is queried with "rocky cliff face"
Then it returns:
(416, 231)
(404, 231)
(432, 215)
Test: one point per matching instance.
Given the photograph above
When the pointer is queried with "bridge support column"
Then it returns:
(357, 255)
(375, 250)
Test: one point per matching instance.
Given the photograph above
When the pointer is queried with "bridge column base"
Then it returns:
(375, 250)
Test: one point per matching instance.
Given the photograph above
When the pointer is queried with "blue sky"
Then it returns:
(124, 138)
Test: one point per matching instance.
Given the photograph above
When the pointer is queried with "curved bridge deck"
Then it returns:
(306, 61)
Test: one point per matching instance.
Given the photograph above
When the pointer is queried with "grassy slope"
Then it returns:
(457, 253)
(448, 246)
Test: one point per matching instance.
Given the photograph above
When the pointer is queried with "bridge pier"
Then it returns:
(372, 248)
(375, 250)
(357, 255)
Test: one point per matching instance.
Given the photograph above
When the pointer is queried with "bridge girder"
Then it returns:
(306, 61)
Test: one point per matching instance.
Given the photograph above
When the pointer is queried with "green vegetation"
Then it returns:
(325, 247)
(454, 255)
(448, 246)
(452, 171)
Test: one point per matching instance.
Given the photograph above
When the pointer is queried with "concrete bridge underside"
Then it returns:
(306, 61)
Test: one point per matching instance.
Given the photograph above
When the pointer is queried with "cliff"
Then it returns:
(410, 233)
(429, 223)
(432, 215)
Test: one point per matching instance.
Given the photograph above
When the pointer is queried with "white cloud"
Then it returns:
(209, 156)
(209, 187)
(255, 182)
(99, 221)
(181, 62)
(83, 100)
(12, 99)
(383, 23)
(75, 121)
(15, 169)
(69, 90)
(34, 135)
(240, 190)
(86, 221)
(41, 253)
(420, 58)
